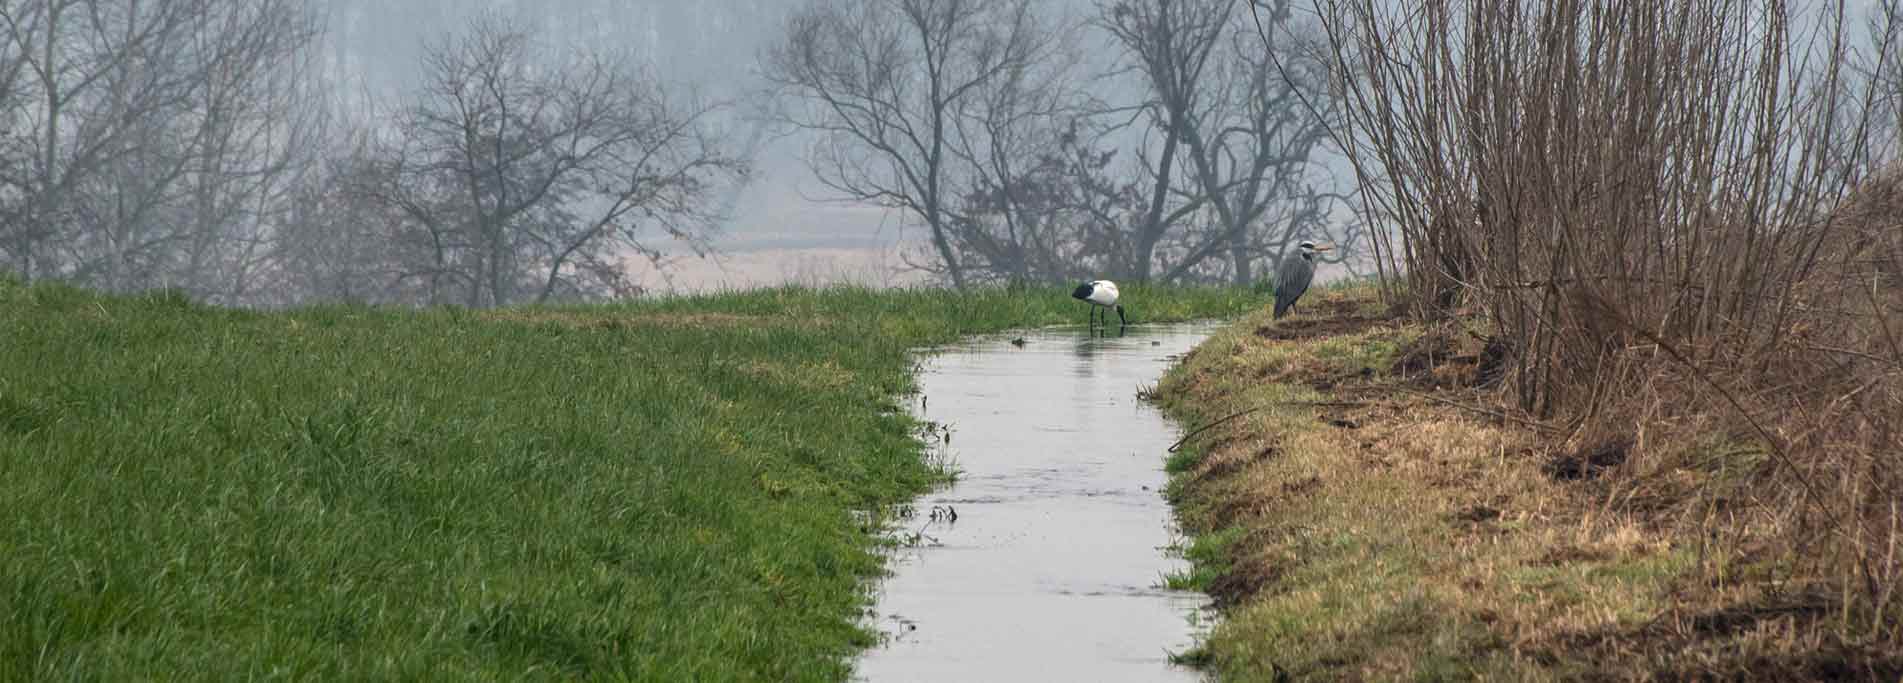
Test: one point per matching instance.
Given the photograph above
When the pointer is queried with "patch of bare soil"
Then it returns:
(1445, 358)
(1223, 461)
(1590, 462)
(1241, 582)
(1294, 329)
(1324, 317)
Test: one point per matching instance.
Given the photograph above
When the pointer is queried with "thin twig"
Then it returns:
(1315, 404)
(1186, 437)
(1859, 354)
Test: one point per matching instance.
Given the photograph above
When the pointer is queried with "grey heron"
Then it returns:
(1291, 280)
(1100, 294)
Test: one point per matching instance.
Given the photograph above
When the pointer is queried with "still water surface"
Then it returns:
(1054, 567)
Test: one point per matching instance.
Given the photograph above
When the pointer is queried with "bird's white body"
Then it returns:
(1101, 295)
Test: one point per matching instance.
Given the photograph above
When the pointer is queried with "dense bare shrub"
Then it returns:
(1652, 202)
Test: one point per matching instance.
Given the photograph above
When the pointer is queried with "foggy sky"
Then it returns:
(712, 45)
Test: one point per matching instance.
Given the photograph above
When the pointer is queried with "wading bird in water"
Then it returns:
(1291, 280)
(1100, 294)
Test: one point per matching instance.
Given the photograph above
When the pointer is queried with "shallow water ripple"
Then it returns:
(1055, 565)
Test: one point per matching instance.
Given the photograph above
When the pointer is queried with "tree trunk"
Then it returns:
(498, 268)
(1239, 255)
(1146, 245)
(936, 220)
(1152, 229)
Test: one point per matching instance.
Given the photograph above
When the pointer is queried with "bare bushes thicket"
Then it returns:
(1663, 209)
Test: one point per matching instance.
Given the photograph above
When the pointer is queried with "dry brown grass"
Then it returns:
(1402, 523)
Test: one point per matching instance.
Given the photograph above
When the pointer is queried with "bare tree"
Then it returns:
(883, 84)
(1238, 105)
(1015, 218)
(1880, 66)
(1171, 45)
(336, 244)
(528, 171)
(147, 139)
(1270, 113)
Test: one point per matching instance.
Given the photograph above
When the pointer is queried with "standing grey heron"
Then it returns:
(1291, 280)
(1100, 294)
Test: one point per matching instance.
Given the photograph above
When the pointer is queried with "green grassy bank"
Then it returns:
(657, 491)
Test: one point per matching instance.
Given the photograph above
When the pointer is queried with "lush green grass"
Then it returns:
(657, 491)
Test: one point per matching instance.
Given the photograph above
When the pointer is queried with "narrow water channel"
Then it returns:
(1054, 568)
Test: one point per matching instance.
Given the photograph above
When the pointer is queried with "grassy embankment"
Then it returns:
(657, 490)
(1372, 519)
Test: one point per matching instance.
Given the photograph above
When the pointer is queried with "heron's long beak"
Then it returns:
(1324, 247)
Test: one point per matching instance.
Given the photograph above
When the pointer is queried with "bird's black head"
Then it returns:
(1307, 249)
(1082, 291)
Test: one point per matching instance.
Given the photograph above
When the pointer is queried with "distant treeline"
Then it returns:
(271, 152)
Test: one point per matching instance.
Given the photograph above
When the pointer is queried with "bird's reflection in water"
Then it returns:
(1093, 343)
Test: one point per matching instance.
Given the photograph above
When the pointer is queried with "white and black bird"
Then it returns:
(1291, 280)
(1100, 294)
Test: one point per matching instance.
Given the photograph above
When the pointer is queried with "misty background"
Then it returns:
(488, 152)
(778, 230)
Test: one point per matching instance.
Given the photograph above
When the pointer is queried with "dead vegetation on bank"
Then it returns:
(1638, 412)
(1386, 513)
